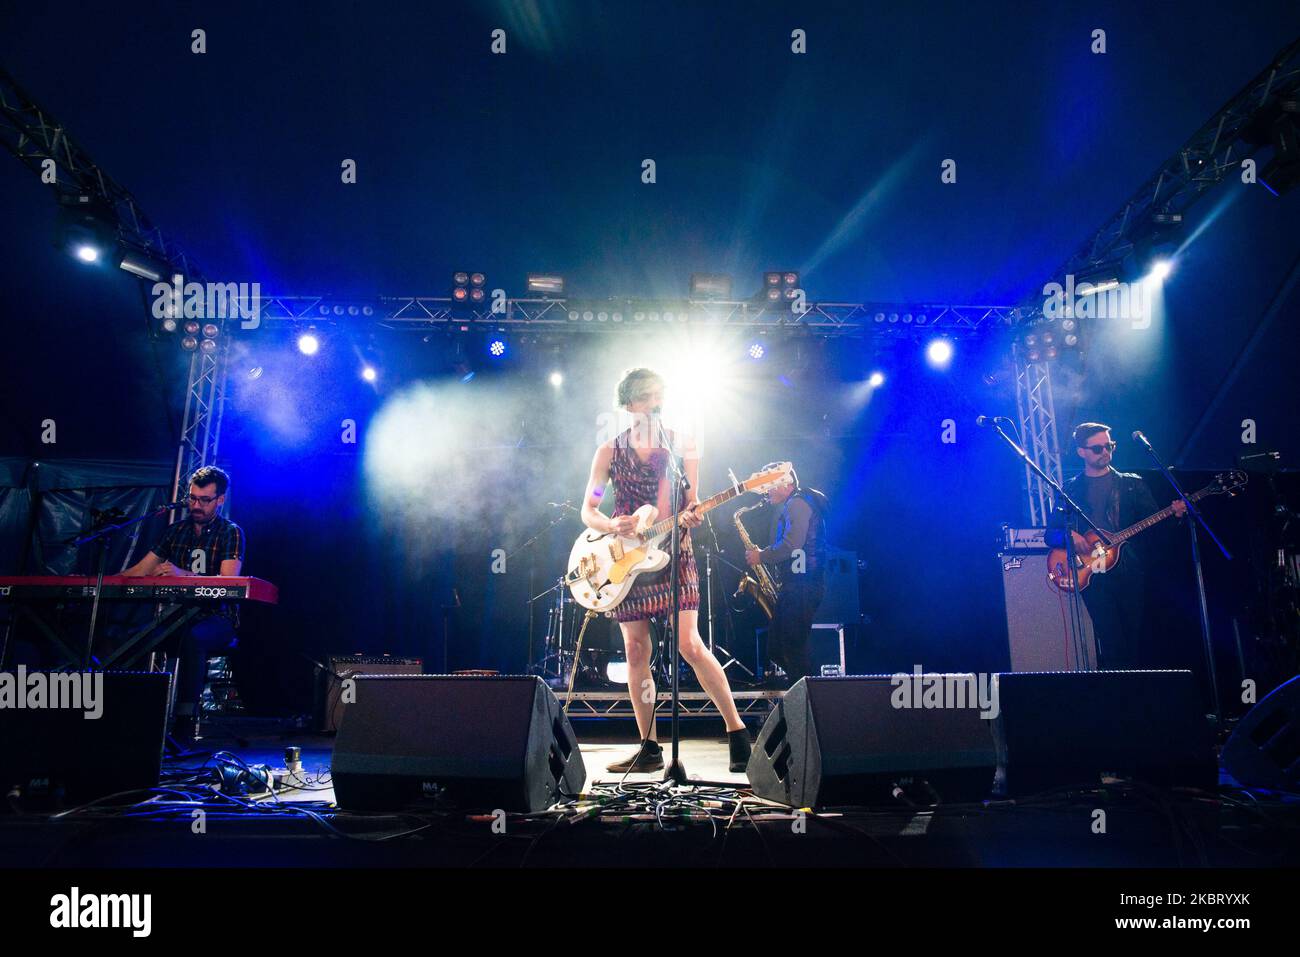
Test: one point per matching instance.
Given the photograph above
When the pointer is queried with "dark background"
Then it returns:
(827, 163)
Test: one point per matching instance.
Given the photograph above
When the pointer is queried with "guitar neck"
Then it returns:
(659, 528)
(1159, 516)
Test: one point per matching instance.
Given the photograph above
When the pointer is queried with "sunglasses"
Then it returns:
(1098, 449)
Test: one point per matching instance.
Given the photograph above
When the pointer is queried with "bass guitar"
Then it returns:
(1094, 557)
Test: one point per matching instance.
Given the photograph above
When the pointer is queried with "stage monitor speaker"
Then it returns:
(1264, 750)
(1074, 728)
(1038, 630)
(842, 741)
(841, 602)
(62, 756)
(329, 680)
(479, 743)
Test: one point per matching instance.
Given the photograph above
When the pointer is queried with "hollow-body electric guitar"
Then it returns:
(1097, 558)
(604, 565)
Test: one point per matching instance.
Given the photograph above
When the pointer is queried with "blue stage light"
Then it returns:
(756, 351)
(876, 380)
(308, 344)
(939, 352)
(497, 348)
(87, 253)
(369, 374)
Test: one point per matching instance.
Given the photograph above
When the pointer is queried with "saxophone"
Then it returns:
(757, 583)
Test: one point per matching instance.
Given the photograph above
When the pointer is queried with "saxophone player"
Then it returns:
(797, 557)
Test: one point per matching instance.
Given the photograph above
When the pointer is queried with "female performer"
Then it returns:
(636, 463)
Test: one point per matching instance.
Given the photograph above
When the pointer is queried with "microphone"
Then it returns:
(173, 505)
(1141, 439)
(984, 421)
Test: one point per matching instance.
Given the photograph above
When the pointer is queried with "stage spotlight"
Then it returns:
(191, 328)
(876, 380)
(140, 265)
(210, 330)
(557, 379)
(939, 352)
(1160, 270)
(468, 286)
(708, 285)
(756, 351)
(87, 228)
(189, 343)
(208, 346)
(369, 374)
(308, 344)
(497, 348)
(780, 284)
(545, 284)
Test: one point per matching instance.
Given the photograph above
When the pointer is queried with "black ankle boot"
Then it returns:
(648, 757)
(738, 742)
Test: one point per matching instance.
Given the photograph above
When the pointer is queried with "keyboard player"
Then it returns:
(206, 543)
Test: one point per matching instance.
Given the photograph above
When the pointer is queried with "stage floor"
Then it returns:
(705, 759)
(705, 828)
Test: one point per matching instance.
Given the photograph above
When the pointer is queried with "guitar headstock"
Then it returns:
(763, 482)
(1229, 483)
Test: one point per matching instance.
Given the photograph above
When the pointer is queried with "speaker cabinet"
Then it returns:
(1264, 750)
(329, 681)
(1074, 728)
(65, 756)
(475, 742)
(1039, 637)
(841, 741)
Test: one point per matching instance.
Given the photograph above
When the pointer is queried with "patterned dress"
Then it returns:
(636, 483)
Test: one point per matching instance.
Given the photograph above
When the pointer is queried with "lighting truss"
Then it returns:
(612, 315)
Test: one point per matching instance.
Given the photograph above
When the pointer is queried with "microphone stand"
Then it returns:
(1196, 563)
(1071, 508)
(100, 535)
(560, 516)
(675, 771)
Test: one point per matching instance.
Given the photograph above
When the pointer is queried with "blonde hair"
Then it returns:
(630, 385)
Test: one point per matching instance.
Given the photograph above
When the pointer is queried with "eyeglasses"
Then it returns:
(1098, 449)
(202, 499)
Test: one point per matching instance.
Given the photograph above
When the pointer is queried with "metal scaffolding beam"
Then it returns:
(32, 135)
(420, 313)
(1209, 156)
(1036, 416)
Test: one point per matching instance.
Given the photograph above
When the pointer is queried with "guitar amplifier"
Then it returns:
(329, 683)
(841, 604)
(1038, 616)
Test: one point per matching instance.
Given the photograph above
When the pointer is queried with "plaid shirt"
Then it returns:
(221, 540)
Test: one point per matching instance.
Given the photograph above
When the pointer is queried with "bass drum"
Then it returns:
(604, 660)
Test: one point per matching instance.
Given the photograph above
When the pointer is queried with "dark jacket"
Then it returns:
(803, 526)
(1130, 501)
